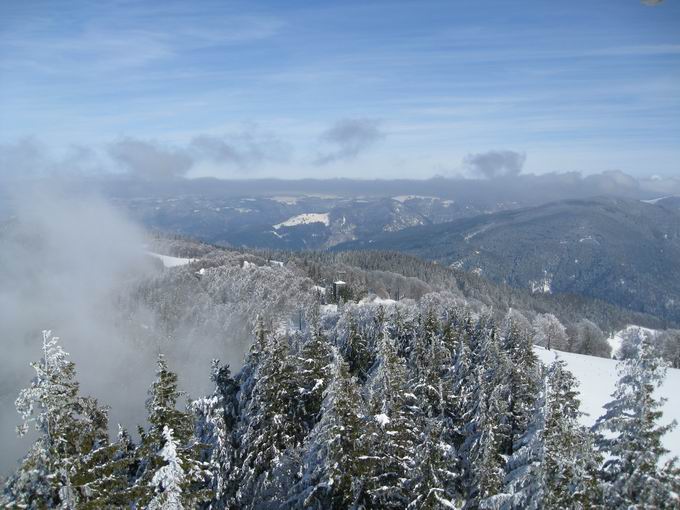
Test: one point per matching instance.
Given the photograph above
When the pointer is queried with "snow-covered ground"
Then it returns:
(598, 376)
(169, 261)
(304, 219)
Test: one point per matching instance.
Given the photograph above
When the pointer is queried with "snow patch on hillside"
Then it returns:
(474, 233)
(304, 219)
(597, 378)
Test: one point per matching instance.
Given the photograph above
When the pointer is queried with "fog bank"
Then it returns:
(67, 259)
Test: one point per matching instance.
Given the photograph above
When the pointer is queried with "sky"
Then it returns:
(378, 89)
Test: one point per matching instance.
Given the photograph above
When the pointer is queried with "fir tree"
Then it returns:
(553, 464)
(71, 464)
(487, 430)
(337, 461)
(630, 437)
(525, 482)
(464, 382)
(434, 480)
(394, 411)
(523, 383)
(356, 350)
(216, 418)
(313, 371)
(268, 428)
(168, 479)
(570, 459)
(431, 364)
(162, 415)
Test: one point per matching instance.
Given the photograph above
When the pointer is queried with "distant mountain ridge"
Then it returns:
(623, 251)
(295, 222)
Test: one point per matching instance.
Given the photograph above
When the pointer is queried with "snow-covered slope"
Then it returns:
(598, 376)
(304, 219)
(169, 261)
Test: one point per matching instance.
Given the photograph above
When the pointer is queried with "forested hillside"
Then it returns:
(621, 251)
(364, 406)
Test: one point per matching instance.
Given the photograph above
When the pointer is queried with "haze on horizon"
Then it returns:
(308, 89)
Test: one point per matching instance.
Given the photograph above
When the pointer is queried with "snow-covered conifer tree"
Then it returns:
(487, 429)
(72, 463)
(337, 458)
(169, 478)
(570, 459)
(163, 414)
(394, 411)
(630, 437)
(524, 381)
(216, 418)
(267, 427)
(554, 464)
(434, 481)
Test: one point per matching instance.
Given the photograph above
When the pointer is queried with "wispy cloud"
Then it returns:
(151, 160)
(244, 152)
(348, 138)
(29, 158)
(492, 164)
(113, 37)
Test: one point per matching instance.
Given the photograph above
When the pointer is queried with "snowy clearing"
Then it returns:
(597, 378)
(657, 200)
(169, 261)
(285, 199)
(304, 219)
(405, 198)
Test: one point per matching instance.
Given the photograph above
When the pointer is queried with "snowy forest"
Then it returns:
(416, 404)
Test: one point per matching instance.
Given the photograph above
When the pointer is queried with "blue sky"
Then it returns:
(355, 89)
